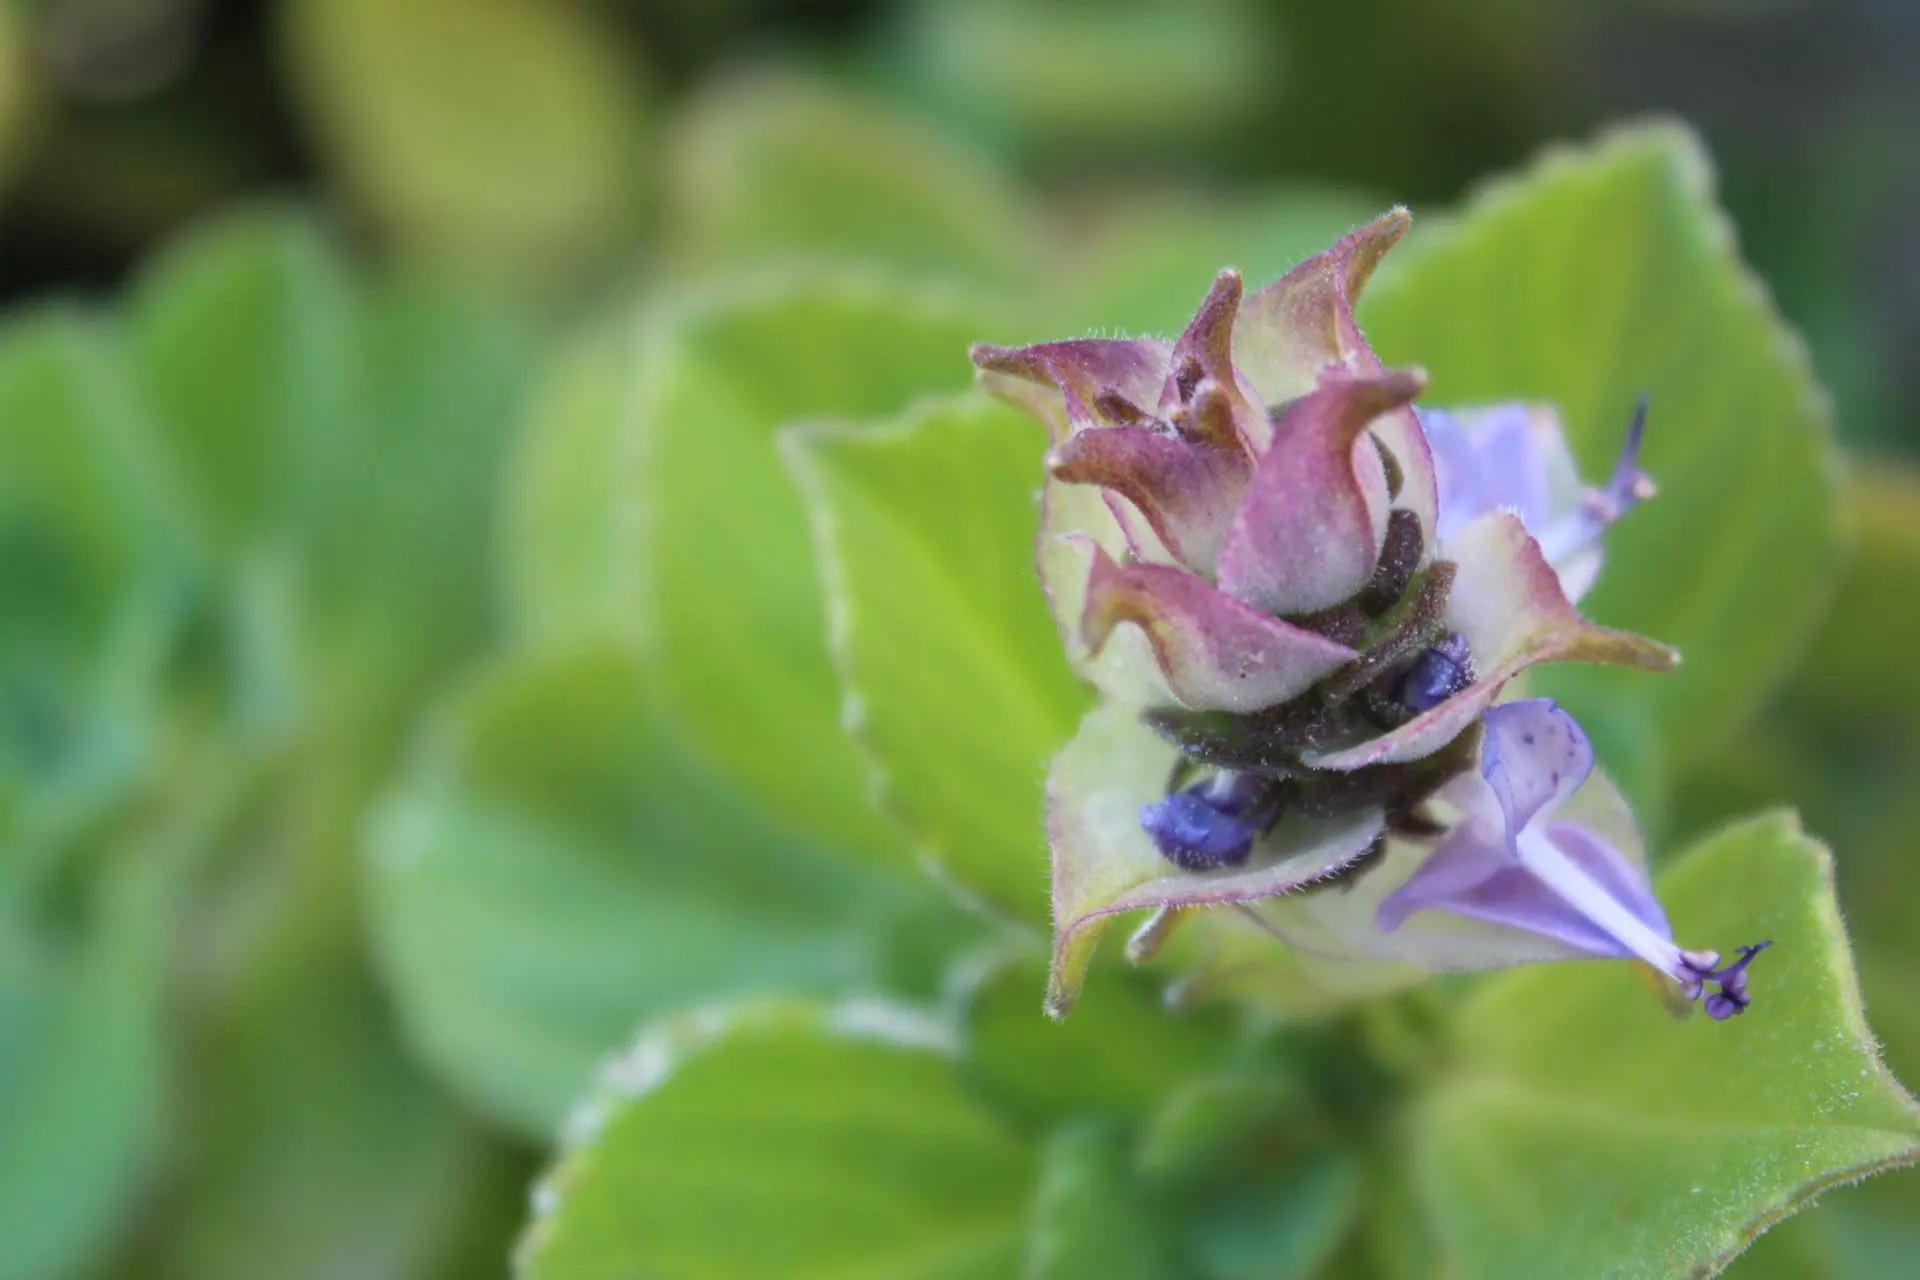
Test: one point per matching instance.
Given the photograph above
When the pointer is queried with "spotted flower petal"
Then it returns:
(1389, 913)
(1215, 653)
(1524, 873)
(1315, 517)
(1105, 862)
(1508, 605)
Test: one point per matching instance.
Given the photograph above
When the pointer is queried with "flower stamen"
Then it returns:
(1733, 996)
(1213, 824)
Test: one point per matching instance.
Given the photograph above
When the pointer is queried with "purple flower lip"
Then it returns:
(1511, 863)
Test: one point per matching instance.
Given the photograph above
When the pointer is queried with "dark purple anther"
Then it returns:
(1437, 674)
(1211, 824)
(1732, 998)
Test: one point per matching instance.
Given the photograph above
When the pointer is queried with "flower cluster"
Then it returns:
(1301, 598)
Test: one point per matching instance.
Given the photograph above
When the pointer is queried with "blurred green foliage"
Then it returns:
(416, 678)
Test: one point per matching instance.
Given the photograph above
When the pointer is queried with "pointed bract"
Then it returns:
(1304, 322)
(1062, 383)
(1075, 522)
(1216, 653)
(1292, 330)
(1187, 492)
(1105, 863)
(1315, 517)
(1204, 354)
(1507, 602)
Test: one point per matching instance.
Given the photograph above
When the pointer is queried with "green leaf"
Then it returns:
(82, 1069)
(319, 1149)
(1853, 1234)
(1120, 1055)
(956, 683)
(241, 341)
(90, 578)
(1091, 1219)
(503, 137)
(1283, 1222)
(785, 1140)
(1598, 275)
(554, 874)
(1860, 674)
(776, 166)
(1201, 1123)
(562, 550)
(729, 596)
(398, 573)
(86, 533)
(1122, 74)
(273, 378)
(1582, 1130)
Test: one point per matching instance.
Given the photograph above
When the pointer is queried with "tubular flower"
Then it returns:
(1296, 593)
(1515, 457)
(1539, 861)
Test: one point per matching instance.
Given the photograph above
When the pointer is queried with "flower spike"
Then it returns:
(1300, 600)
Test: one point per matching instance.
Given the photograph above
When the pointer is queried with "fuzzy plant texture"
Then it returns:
(1334, 645)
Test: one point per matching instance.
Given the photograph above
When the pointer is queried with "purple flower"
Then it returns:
(1293, 610)
(1514, 457)
(1539, 862)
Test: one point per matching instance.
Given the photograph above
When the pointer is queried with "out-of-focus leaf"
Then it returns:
(1121, 73)
(956, 684)
(89, 572)
(555, 874)
(785, 1140)
(1146, 264)
(563, 546)
(340, 443)
(1091, 1218)
(775, 166)
(1282, 1223)
(1582, 1130)
(241, 341)
(1596, 276)
(1854, 1233)
(505, 137)
(399, 575)
(1120, 1054)
(1861, 671)
(1200, 1122)
(318, 1150)
(729, 597)
(82, 1068)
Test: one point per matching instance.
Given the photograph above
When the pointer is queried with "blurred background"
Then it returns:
(360, 253)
